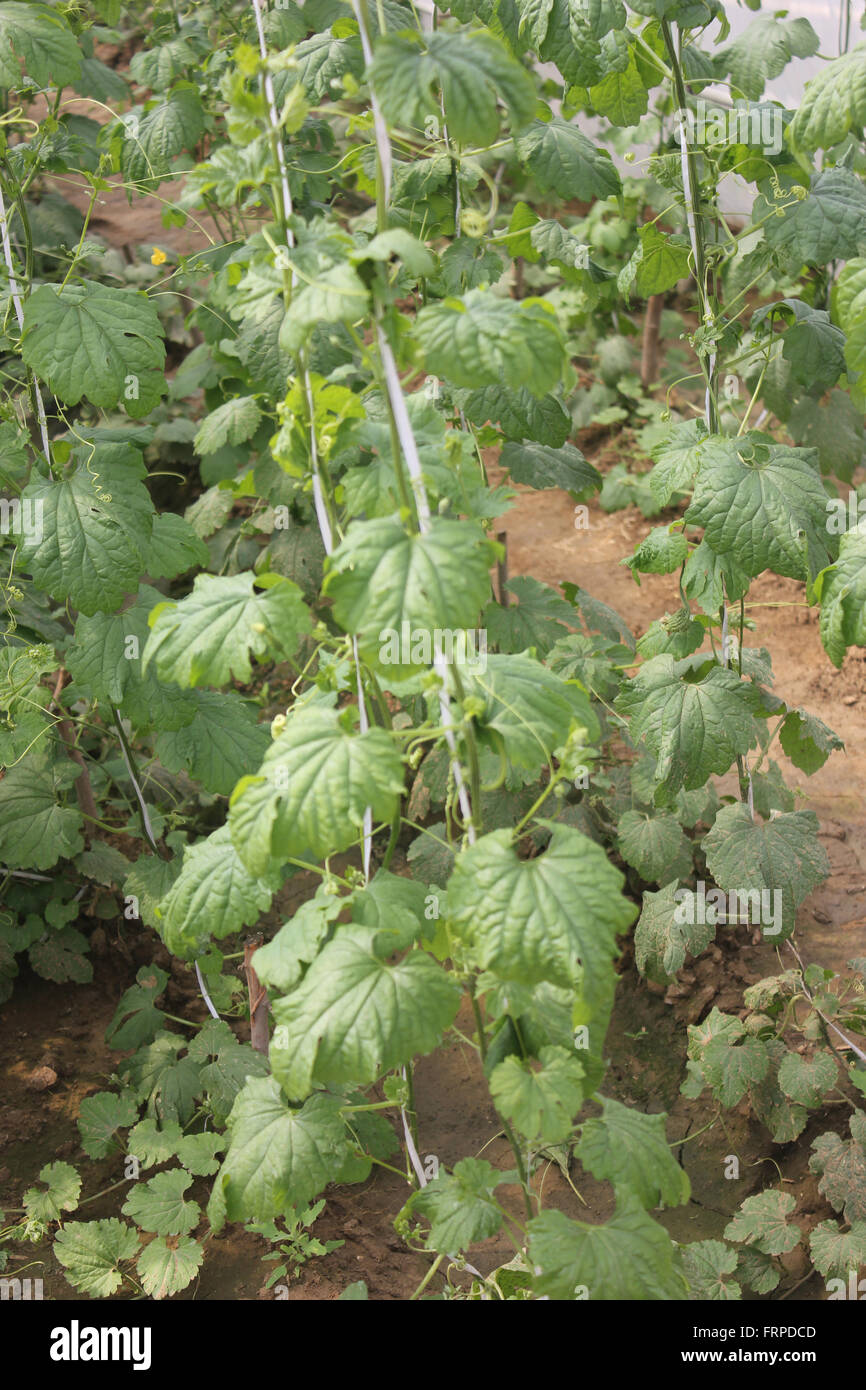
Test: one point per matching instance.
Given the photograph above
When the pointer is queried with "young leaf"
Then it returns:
(541, 1102)
(460, 1206)
(100, 1116)
(160, 1206)
(165, 1267)
(64, 1188)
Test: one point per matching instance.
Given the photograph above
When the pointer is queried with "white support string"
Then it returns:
(15, 294)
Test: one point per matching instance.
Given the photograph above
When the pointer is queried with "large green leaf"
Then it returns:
(219, 745)
(826, 225)
(43, 39)
(764, 504)
(483, 340)
(165, 1268)
(833, 103)
(97, 342)
(781, 855)
(385, 582)
(356, 1015)
(842, 591)
(630, 1257)
(654, 845)
(36, 829)
(215, 894)
(555, 917)
(539, 466)
(562, 160)
(314, 786)
(277, 1157)
(764, 49)
(849, 309)
(209, 636)
(631, 1150)
(90, 1252)
(159, 135)
(692, 728)
(518, 413)
(471, 71)
(95, 528)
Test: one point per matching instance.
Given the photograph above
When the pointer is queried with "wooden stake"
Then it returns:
(259, 1004)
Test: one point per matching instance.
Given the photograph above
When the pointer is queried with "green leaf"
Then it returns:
(834, 102)
(151, 1145)
(677, 458)
(355, 1015)
(781, 856)
(160, 1206)
(99, 1118)
(662, 940)
(824, 226)
(198, 1152)
(542, 1102)
(484, 340)
(159, 136)
(660, 261)
(224, 1066)
(214, 895)
(174, 547)
(105, 662)
(631, 1150)
(764, 49)
(706, 1262)
(562, 160)
(94, 534)
(764, 504)
(660, 552)
(221, 743)
(277, 1157)
(762, 1222)
(807, 1080)
(518, 413)
(835, 429)
(460, 1206)
(539, 466)
(60, 956)
(90, 1252)
(64, 1189)
(43, 39)
(232, 423)
(136, 1019)
(834, 1253)
(807, 740)
(621, 96)
(812, 344)
(97, 342)
(528, 710)
(841, 1165)
(280, 962)
(629, 1257)
(35, 829)
(654, 845)
(209, 636)
(170, 1087)
(384, 581)
(536, 620)
(731, 1068)
(336, 295)
(324, 60)
(842, 593)
(165, 1269)
(313, 788)
(471, 71)
(692, 729)
(532, 920)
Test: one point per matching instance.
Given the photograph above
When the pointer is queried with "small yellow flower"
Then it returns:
(159, 257)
